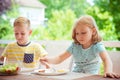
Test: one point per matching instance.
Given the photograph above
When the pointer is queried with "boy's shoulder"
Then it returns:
(12, 43)
(35, 43)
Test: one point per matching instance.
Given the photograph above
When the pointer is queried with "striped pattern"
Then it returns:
(16, 54)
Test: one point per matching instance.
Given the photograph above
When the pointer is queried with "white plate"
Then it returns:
(53, 73)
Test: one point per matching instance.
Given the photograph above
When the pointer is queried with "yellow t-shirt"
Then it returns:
(26, 56)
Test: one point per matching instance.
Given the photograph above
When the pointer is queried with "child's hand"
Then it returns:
(44, 61)
(111, 75)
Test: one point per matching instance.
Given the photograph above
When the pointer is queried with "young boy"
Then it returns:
(23, 51)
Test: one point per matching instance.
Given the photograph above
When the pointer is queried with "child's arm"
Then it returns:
(58, 59)
(108, 67)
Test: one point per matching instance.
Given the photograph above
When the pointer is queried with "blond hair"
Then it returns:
(20, 21)
(90, 22)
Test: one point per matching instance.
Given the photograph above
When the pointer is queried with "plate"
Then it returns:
(49, 72)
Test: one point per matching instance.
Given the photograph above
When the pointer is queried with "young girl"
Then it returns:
(86, 49)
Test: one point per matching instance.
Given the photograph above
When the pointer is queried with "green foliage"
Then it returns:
(59, 26)
(113, 8)
(4, 27)
(39, 33)
(61, 16)
(104, 18)
(105, 23)
(78, 6)
(5, 23)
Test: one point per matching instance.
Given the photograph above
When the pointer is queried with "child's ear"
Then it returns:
(30, 32)
(94, 31)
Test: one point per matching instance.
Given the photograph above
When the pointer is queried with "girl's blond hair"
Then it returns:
(90, 22)
(20, 21)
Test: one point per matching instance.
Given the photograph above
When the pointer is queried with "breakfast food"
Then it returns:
(51, 71)
(9, 69)
(45, 70)
(41, 70)
(61, 70)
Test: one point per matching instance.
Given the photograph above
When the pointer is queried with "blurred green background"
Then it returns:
(61, 15)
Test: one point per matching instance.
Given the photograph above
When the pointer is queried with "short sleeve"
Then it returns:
(70, 48)
(40, 51)
(43, 52)
(100, 47)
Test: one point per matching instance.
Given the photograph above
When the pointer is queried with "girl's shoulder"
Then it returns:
(99, 46)
(75, 44)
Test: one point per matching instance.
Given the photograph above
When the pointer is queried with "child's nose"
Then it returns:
(19, 36)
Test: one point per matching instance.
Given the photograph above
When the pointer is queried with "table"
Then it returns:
(96, 77)
(68, 76)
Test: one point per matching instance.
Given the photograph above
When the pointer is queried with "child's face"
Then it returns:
(22, 34)
(84, 34)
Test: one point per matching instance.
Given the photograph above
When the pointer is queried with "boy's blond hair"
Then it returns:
(90, 22)
(20, 21)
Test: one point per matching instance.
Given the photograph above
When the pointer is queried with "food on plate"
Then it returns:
(45, 70)
(51, 71)
(41, 70)
(9, 69)
(61, 70)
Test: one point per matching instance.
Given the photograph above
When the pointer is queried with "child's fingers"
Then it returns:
(112, 75)
(109, 75)
(105, 75)
(117, 76)
(46, 64)
(43, 59)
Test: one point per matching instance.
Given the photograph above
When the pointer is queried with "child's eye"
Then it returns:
(16, 33)
(77, 33)
(22, 33)
(83, 33)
